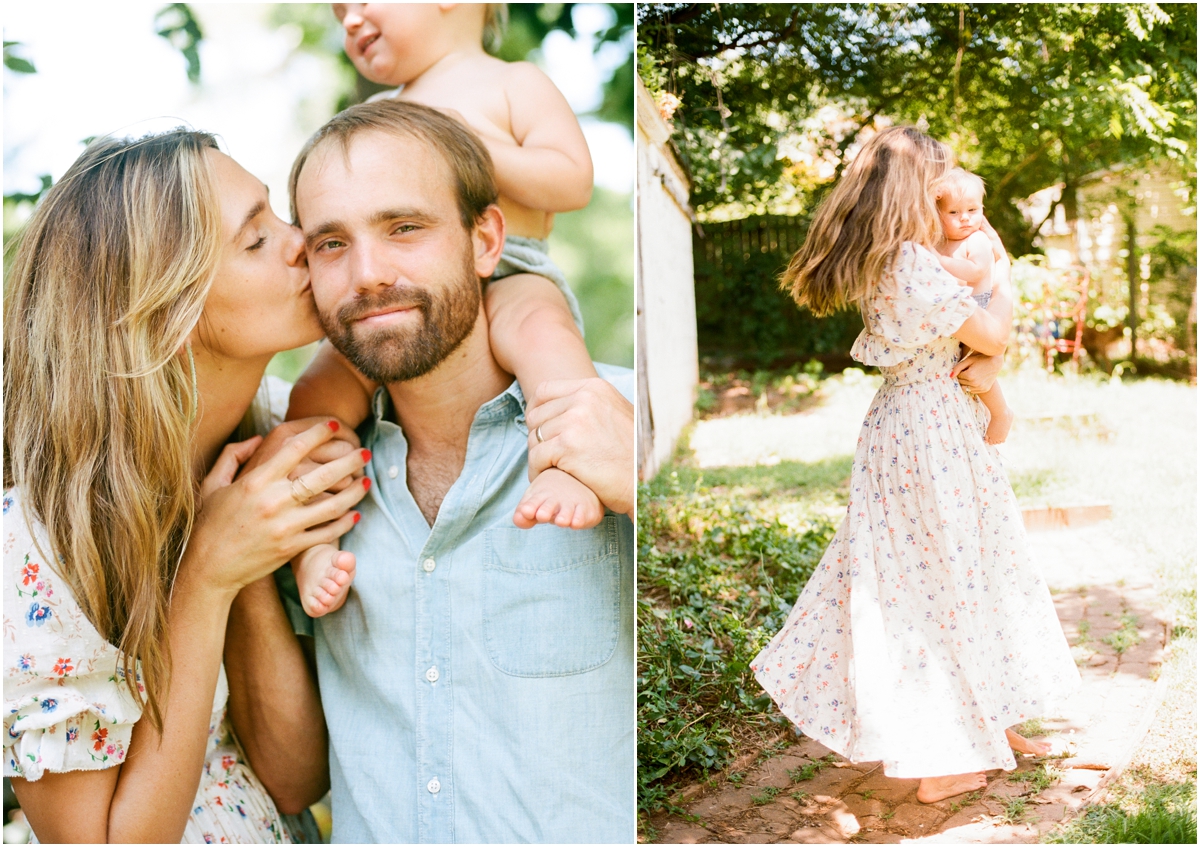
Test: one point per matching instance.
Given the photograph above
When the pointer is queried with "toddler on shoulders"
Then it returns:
(434, 54)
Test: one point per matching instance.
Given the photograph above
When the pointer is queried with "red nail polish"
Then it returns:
(367, 483)
(333, 425)
(366, 454)
(357, 517)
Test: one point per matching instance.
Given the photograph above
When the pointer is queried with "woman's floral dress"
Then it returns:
(64, 709)
(926, 630)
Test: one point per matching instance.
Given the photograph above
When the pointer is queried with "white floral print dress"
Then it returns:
(65, 711)
(926, 629)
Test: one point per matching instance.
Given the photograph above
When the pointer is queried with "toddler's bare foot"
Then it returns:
(323, 575)
(999, 426)
(559, 498)
(1027, 745)
(934, 788)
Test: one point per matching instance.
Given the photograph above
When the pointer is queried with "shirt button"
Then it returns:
(428, 565)
(393, 471)
(434, 786)
(432, 674)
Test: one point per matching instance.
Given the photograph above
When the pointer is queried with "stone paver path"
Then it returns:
(1101, 609)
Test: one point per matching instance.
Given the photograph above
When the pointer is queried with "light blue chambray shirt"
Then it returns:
(478, 683)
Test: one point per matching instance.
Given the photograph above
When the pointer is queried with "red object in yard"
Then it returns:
(1065, 302)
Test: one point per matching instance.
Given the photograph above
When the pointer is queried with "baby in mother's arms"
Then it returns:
(966, 252)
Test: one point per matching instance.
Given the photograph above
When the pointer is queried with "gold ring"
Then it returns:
(538, 435)
(297, 496)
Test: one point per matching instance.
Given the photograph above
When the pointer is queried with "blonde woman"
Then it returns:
(148, 292)
(926, 631)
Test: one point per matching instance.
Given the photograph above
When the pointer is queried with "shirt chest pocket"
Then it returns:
(551, 598)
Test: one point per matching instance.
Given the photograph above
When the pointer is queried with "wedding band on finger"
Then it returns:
(537, 433)
(297, 495)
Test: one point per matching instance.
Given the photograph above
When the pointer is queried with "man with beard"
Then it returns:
(478, 683)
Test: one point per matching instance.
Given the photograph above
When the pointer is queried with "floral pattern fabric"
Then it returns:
(926, 630)
(67, 707)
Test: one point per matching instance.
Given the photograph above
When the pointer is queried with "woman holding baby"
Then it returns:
(926, 632)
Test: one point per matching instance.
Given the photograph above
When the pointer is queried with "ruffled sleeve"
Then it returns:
(917, 303)
(66, 706)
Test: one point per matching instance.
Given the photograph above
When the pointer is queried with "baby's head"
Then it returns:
(394, 43)
(959, 196)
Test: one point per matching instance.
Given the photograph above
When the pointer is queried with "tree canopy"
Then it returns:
(1028, 94)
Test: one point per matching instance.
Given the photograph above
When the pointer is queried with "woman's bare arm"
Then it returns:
(273, 699)
(112, 805)
(245, 530)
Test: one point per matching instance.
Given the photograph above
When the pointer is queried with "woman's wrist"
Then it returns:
(194, 587)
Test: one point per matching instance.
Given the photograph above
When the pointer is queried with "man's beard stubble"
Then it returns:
(394, 354)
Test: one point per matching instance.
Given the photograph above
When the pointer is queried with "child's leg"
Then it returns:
(330, 385)
(1002, 416)
(534, 338)
(323, 575)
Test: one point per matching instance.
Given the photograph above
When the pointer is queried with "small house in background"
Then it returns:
(668, 366)
(1146, 208)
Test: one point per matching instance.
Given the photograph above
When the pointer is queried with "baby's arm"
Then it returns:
(549, 168)
(330, 385)
(975, 264)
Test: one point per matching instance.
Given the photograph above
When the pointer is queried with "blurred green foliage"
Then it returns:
(594, 245)
(178, 25)
(1027, 94)
(772, 99)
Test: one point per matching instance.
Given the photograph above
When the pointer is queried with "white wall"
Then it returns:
(668, 361)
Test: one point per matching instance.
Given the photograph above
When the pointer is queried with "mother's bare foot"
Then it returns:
(1026, 745)
(934, 788)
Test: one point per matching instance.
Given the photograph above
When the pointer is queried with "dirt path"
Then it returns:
(1106, 601)
(804, 794)
(1105, 598)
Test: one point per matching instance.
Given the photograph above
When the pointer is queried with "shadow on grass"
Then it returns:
(759, 480)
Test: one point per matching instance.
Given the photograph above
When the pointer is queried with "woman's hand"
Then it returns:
(343, 443)
(998, 251)
(976, 372)
(251, 525)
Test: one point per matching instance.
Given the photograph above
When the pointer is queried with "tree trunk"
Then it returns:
(1131, 271)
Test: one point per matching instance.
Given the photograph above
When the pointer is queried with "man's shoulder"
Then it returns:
(619, 378)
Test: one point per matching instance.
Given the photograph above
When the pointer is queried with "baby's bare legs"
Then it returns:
(556, 496)
(1002, 415)
(323, 575)
(534, 338)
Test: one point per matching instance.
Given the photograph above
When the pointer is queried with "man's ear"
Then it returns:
(488, 240)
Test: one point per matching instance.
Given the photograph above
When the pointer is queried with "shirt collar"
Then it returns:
(509, 403)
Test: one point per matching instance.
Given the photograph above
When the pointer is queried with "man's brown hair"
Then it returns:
(469, 162)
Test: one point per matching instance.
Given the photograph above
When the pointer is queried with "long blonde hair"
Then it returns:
(883, 200)
(108, 279)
